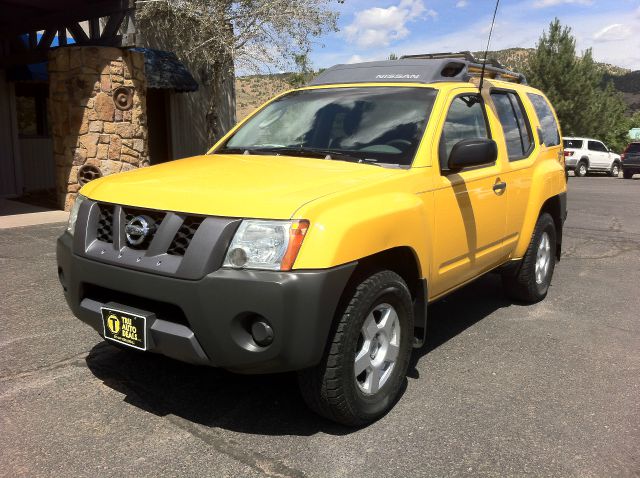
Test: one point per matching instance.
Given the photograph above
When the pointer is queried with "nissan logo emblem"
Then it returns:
(138, 229)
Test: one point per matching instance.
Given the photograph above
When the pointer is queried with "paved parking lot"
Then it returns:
(500, 389)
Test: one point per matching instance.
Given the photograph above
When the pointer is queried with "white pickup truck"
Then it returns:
(585, 155)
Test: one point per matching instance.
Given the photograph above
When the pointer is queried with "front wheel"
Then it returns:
(362, 372)
(531, 282)
(615, 170)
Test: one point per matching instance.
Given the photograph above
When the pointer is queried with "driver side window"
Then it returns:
(465, 120)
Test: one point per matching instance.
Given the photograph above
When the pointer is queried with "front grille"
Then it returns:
(185, 234)
(105, 223)
(163, 249)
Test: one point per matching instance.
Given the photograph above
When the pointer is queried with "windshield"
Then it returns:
(374, 125)
(572, 143)
(633, 148)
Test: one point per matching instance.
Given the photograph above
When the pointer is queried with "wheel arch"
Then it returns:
(402, 260)
(555, 206)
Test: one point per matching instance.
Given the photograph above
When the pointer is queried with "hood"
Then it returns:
(269, 187)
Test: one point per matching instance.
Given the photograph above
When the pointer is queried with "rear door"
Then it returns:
(470, 205)
(598, 155)
(520, 150)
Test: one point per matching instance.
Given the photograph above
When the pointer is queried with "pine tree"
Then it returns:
(585, 104)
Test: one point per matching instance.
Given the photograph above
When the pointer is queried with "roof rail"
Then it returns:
(492, 67)
(461, 55)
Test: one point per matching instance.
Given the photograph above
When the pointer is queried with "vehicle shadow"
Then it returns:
(262, 404)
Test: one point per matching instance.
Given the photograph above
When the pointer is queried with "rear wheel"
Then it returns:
(615, 170)
(531, 282)
(362, 372)
(581, 169)
(627, 174)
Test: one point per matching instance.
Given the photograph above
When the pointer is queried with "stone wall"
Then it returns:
(97, 128)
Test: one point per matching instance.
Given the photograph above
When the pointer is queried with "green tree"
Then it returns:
(586, 105)
(303, 72)
(216, 37)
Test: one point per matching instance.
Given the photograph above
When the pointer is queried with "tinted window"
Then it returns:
(516, 130)
(597, 146)
(381, 124)
(550, 132)
(465, 120)
(633, 148)
(572, 143)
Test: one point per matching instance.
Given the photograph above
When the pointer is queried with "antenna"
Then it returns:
(486, 51)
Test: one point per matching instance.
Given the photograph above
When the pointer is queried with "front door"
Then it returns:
(470, 205)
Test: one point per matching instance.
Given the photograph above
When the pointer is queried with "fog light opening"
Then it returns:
(261, 332)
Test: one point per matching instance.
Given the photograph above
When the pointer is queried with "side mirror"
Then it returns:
(472, 152)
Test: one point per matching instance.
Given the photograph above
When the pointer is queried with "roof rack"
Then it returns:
(424, 68)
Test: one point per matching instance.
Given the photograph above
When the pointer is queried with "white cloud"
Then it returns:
(376, 27)
(461, 3)
(553, 3)
(615, 32)
(517, 30)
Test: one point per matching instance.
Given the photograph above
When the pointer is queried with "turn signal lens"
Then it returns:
(296, 236)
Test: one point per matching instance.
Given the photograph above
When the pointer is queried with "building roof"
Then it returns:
(412, 70)
(164, 71)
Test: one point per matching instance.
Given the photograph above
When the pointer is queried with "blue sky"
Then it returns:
(372, 29)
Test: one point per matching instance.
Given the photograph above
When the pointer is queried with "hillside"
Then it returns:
(253, 91)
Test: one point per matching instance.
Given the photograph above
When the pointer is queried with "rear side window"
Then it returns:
(573, 143)
(465, 120)
(597, 146)
(550, 132)
(517, 132)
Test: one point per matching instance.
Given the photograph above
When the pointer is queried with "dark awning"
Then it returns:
(164, 71)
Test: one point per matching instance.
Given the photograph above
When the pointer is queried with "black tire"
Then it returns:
(330, 388)
(581, 172)
(614, 172)
(627, 174)
(522, 285)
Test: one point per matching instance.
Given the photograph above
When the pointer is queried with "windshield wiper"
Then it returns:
(232, 151)
(316, 152)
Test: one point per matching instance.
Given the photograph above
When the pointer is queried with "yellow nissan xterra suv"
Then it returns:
(314, 234)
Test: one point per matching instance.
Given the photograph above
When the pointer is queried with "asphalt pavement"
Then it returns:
(500, 389)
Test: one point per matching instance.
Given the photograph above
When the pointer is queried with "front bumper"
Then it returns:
(205, 321)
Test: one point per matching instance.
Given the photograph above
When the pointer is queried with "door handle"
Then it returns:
(499, 187)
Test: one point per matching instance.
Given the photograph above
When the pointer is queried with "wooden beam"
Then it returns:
(94, 28)
(62, 36)
(77, 33)
(46, 39)
(33, 39)
(54, 20)
(113, 25)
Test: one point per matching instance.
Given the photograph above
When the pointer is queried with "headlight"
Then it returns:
(73, 214)
(272, 245)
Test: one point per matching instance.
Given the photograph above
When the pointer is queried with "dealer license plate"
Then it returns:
(125, 328)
